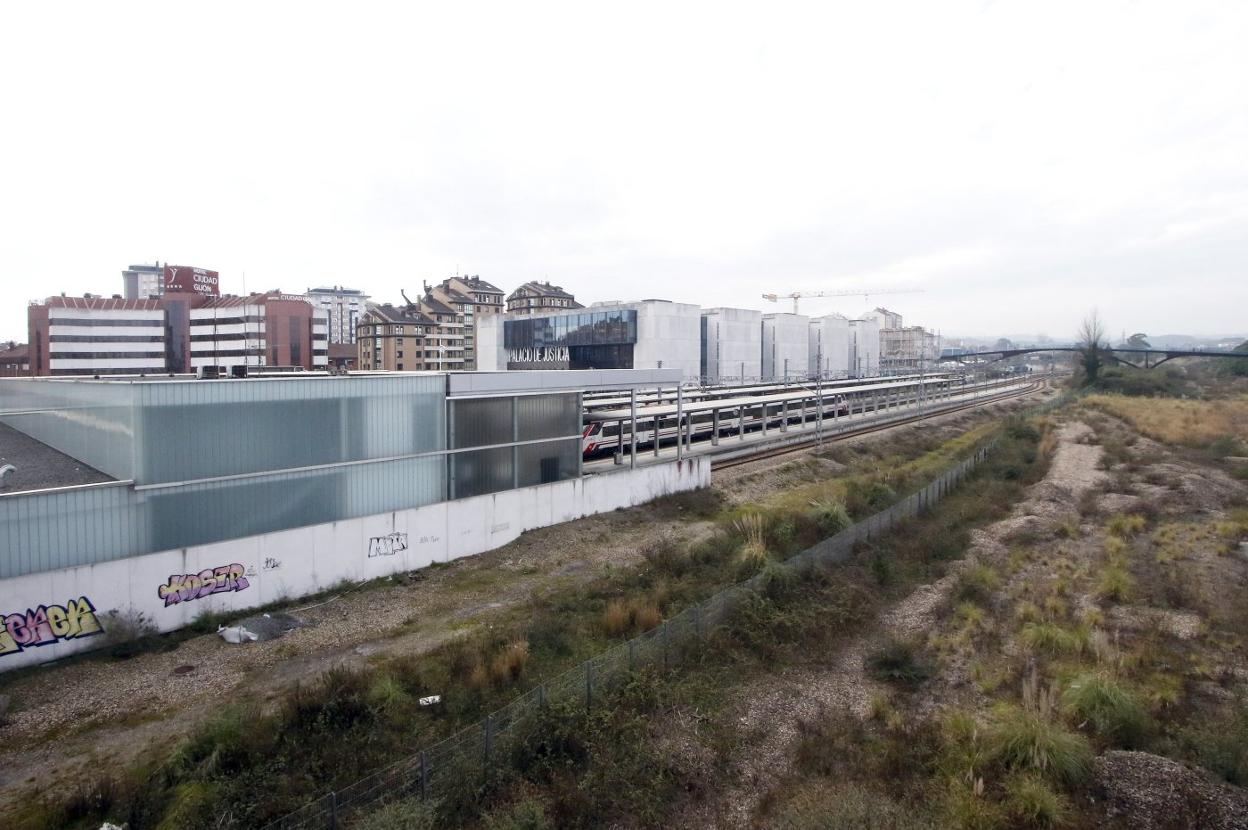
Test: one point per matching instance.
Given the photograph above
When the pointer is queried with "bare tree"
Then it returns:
(1091, 336)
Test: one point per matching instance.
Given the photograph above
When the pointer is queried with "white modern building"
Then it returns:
(786, 347)
(343, 307)
(731, 345)
(864, 348)
(97, 335)
(828, 346)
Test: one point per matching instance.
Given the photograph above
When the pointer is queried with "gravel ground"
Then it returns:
(39, 466)
(1155, 793)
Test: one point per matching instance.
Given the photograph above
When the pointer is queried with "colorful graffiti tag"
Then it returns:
(186, 587)
(387, 545)
(49, 624)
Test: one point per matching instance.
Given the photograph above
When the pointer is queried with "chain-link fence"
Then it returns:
(465, 758)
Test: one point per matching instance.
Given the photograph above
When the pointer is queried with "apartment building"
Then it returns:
(474, 299)
(415, 337)
(540, 297)
(343, 307)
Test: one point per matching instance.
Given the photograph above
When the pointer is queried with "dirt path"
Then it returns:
(111, 712)
(773, 706)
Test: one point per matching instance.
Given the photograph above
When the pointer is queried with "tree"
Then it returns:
(1139, 340)
(1091, 336)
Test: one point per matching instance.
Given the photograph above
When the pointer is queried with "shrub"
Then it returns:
(830, 516)
(1053, 640)
(1116, 584)
(664, 557)
(1108, 708)
(509, 663)
(849, 807)
(414, 813)
(753, 553)
(1125, 527)
(386, 693)
(1030, 801)
(976, 584)
(528, 814)
(896, 662)
(129, 633)
(1028, 741)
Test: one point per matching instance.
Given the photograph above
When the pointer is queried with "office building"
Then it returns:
(143, 282)
(174, 333)
(829, 347)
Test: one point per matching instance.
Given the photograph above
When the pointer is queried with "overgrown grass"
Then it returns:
(1180, 422)
(1109, 709)
(897, 661)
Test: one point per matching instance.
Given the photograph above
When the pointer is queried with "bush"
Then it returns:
(1116, 584)
(1125, 527)
(409, 814)
(896, 662)
(753, 553)
(831, 517)
(1109, 708)
(524, 815)
(1053, 640)
(509, 663)
(1028, 741)
(975, 584)
(629, 616)
(1031, 802)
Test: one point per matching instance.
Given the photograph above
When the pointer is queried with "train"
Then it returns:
(609, 430)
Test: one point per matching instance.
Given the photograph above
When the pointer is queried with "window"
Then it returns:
(400, 367)
(399, 342)
(400, 353)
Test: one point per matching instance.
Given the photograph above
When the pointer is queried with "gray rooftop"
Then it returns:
(39, 467)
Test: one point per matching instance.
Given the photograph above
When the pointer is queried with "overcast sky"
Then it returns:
(1019, 162)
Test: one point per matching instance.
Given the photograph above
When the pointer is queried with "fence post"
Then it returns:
(333, 811)
(488, 733)
(424, 775)
(541, 695)
(667, 640)
(589, 684)
(632, 654)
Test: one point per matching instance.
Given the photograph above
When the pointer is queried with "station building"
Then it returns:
(731, 345)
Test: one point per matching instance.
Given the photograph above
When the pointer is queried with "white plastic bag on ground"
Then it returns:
(236, 634)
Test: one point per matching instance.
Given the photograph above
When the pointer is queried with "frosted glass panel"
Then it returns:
(92, 421)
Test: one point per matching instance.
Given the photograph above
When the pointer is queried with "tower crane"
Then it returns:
(794, 296)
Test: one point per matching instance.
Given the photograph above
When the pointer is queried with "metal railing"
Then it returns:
(465, 758)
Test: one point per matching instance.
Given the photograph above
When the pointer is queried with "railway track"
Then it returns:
(772, 452)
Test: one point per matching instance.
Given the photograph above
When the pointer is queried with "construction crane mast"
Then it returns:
(865, 294)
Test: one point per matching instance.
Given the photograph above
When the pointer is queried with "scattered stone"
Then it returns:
(1155, 793)
(183, 669)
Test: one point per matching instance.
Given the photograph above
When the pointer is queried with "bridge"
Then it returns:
(1146, 360)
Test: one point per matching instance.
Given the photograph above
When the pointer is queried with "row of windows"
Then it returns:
(105, 338)
(92, 321)
(100, 355)
(596, 328)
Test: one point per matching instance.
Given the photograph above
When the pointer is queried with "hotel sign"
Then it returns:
(182, 279)
(539, 357)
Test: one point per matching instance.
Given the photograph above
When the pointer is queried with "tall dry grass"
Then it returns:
(1192, 423)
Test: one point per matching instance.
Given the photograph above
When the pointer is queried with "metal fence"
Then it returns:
(465, 758)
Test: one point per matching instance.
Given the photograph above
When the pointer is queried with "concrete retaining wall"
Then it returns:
(51, 614)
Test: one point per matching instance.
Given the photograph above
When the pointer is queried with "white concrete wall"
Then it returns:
(734, 345)
(786, 343)
(47, 611)
(668, 336)
(491, 356)
(864, 348)
(829, 346)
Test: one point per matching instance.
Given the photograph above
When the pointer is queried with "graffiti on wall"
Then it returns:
(48, 624)
(186, 587)
(387, 545)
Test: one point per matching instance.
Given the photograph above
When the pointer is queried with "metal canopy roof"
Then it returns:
(704, 392)
(733, 403)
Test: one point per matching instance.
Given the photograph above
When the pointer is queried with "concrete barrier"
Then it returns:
(48, 615)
